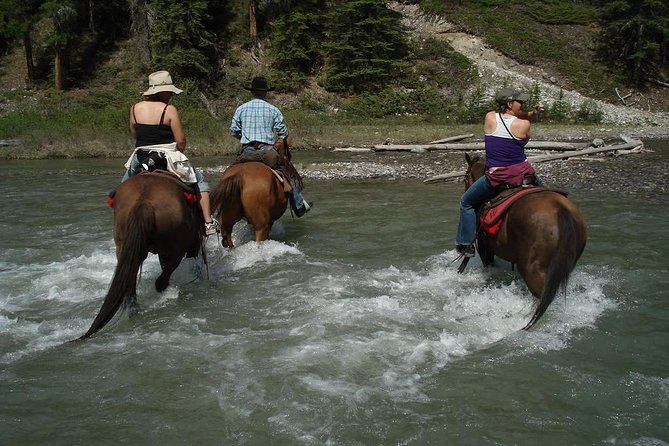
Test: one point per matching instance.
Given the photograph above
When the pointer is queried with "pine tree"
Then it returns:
(296, 36)
(183, 36)
(635, 36)
(19, 16)
(366, 46)
(63, 14)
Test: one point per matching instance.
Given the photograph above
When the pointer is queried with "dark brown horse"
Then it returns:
(251, 191)
(153, 212)
(543, 234)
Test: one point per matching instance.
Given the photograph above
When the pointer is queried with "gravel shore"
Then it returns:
(643, 172)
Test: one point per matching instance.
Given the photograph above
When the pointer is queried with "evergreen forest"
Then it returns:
(323, 56)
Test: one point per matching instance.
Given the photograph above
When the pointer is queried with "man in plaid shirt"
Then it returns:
(258, 124)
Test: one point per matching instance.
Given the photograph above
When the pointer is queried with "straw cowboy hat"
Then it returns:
(160, 81)
(259, 84)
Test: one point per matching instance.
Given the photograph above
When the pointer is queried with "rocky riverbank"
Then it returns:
(633, 173)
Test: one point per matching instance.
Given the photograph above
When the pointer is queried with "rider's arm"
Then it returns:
(532, 113)
(177, 129)
(280, 125)
(131, 127)
(521, 129)
(236, 124)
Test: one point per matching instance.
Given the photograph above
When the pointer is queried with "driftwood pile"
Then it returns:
(558, 150)
(563, 151)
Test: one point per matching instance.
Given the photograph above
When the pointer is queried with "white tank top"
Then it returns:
(500, 131)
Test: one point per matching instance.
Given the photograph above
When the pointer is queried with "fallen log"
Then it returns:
(352, 149)
(415, 147)
(452, 138)
(629, 144)
(9, 142)
(552, 145)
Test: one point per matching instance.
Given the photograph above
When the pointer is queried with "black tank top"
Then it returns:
(150, 134)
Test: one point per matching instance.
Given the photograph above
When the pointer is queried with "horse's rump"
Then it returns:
(543, 234)
(151, 214)
(252, 191)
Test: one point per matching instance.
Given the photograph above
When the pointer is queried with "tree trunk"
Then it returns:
(140, 28)
(58, 70)
(30, 66)
(253, 26)
(91, 21)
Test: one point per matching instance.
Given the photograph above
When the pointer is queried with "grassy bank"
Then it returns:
(94, 124)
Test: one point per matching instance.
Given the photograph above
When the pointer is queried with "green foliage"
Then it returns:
(366, 46)
(555, 12)
(296, 37)
(558, 111)
(183, 37)
(635, 37)
(589, 112)
(426, 103)
(439, 65)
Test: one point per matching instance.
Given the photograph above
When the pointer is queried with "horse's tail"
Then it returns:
(123, 288)
(570, 247)
(225, 191)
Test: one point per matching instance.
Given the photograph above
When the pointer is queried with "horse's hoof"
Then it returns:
(161, 284)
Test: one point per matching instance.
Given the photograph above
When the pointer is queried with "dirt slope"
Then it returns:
(495, 70)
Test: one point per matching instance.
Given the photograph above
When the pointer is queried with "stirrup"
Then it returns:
(211, 228)
(466, 250)
(304, 209)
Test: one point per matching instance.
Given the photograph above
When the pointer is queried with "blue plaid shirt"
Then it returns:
(257, 120)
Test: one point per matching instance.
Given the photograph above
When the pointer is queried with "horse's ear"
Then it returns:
(468, 159)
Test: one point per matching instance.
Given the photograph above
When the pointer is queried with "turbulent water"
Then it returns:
(349, 327)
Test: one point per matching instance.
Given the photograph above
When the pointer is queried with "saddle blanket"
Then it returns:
(493, 212)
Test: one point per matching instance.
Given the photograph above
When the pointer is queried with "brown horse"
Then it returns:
(153, 212)
(543, 234)
(251, 191)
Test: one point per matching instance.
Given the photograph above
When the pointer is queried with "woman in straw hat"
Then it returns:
(155, 128)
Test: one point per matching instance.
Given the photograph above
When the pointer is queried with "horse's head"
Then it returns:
(475, 169)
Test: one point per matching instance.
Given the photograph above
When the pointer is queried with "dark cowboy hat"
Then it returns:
(259, 84)
(507, 94)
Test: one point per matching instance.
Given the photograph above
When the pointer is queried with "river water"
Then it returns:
(349, 327)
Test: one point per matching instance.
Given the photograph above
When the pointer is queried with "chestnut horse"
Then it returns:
(153, 212)
(543, 234)
(251, 191)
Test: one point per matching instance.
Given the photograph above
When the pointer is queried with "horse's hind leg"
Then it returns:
(262, 233)
(228, 217)
(226, 232)
(168, 263)
(535, 279)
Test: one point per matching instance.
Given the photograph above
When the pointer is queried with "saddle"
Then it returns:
(279, 160)
(492, 213)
